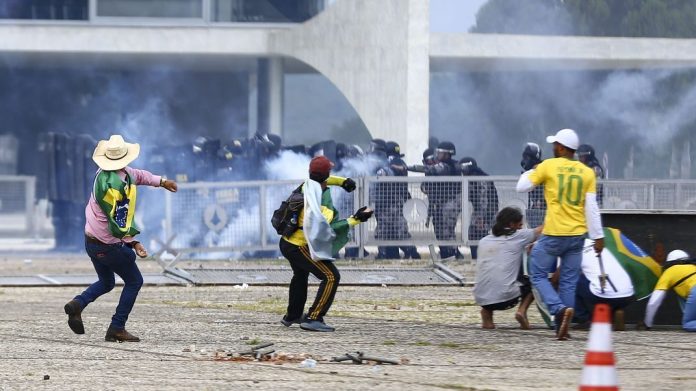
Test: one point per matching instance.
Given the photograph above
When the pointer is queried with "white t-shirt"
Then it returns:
(612, 267)
(498, 265)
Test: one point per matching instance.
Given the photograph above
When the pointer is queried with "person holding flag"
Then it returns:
(110, 233)
(312, 247)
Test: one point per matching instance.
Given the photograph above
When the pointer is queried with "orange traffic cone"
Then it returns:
(599, 372)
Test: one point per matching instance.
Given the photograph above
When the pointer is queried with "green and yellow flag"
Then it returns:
(117, 199)
(642, 269)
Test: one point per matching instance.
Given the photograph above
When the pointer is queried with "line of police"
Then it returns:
(66, 173)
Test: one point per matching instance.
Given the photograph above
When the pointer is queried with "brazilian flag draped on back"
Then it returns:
(116, 199)
(642, 269)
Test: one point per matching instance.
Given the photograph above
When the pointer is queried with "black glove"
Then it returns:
(363, 214)
(348, 185)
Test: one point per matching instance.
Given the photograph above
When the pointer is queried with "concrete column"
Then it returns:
(377, 54)
(270, 95)
(253, 105)
(276, 89)
(262, 96)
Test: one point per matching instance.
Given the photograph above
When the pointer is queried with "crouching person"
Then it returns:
(311, 248)
(679, 274)
(500, 283)
(616, 290)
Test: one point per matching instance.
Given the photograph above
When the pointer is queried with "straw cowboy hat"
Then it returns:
(114, 154)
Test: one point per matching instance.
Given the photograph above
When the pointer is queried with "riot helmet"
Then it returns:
(199, 144)
(468, 165)
(355, 151)
(585, 153)
(531, 156)
(378, 145)
(445, 147)
(428, 156)
(393, 149)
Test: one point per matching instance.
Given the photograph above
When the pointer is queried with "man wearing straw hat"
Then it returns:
(110, 233)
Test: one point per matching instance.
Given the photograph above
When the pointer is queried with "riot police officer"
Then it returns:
(536, 205)
(444, 198)
(586, 155)
(484, 200)
(389, 203)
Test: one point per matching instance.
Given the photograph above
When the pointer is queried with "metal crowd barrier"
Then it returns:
(234, 217)
(231, 217)
(17, 198)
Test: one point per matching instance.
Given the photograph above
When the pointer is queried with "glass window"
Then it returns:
(44, 9)
(265, 11)
(150, 8)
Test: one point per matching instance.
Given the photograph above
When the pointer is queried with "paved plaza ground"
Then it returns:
(187, 333)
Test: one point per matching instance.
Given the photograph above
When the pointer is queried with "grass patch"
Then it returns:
(389, 342)
(254, 341)
(448, 345)
(423, 343)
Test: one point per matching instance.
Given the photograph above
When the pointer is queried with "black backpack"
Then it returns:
(285, 218)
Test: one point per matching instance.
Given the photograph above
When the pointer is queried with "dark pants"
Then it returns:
(391, 225)
(445, 217)
(302, 264)
(585, 300)
(107, 260)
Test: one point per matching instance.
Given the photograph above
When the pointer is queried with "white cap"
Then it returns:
(566, 137)
(676, 255)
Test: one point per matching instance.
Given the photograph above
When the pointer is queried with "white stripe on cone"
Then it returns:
(600, 338)
(599, 375)
(599, 342)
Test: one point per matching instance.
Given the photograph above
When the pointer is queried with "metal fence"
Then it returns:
(17, 199)
(234, 217)
(231, 217)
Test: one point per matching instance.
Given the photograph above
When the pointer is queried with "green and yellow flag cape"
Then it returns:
(117, 199)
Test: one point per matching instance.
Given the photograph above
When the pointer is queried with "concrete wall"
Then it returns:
(462, 52)
(376, 53)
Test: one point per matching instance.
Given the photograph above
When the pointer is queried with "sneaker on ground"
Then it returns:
(315, 325)
(287, 322)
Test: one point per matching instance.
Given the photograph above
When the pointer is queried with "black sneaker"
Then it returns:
(562, 320)
(316, 325)
(287, 322)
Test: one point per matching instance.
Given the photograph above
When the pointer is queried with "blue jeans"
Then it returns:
(107, 260)
(689, 319)
(543, 261)
(585, 301)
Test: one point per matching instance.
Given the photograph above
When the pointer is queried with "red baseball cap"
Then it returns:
(320, 167)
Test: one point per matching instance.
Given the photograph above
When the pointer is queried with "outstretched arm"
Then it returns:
(653, 304)
(169, 185)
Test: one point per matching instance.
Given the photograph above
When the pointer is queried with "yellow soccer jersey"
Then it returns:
(565, 184)
(675, 273)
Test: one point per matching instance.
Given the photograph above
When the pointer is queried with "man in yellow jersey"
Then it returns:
(571, 214)
(679, 274)
(311, 248)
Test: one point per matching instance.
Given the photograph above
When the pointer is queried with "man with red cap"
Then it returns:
(311, 248)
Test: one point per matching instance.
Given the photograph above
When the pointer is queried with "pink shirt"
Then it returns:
(97, 225)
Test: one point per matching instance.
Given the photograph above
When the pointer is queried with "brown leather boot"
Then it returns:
(114, 335)
(619, 323)
(74, 311)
